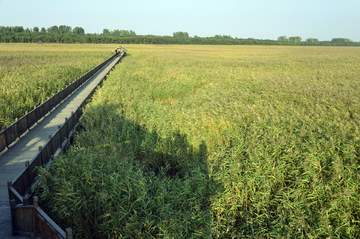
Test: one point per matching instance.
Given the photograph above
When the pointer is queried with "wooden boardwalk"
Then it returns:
(12, 161)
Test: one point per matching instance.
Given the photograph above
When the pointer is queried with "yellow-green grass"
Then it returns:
(216, 141)
(30, 73)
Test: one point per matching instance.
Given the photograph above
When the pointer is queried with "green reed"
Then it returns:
(229, 141)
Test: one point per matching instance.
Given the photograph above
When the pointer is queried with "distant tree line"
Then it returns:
(119, 33)
(59, 34)
(67, 34)
(296, 40)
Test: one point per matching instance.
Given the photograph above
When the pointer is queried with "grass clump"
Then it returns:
(232, 141)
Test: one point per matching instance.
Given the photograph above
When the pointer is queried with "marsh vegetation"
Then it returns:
(225, 141)
(30, 73)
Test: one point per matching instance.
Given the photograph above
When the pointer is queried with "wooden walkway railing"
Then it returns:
(26, 215)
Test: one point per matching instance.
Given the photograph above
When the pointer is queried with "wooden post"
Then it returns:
(59, 127)
(36, 119)
(9, 184)
(6, 140)
(67, 128)
(69, 233)
(51, 148)
(12, 205)
(43, 113)
(27, 121)
(17, 128)
(52, 105)
(25, 201)
(72, 121)
(36, 223)
(41, 157)
(35, 201)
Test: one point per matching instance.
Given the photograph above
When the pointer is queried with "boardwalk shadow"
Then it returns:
(148, 184)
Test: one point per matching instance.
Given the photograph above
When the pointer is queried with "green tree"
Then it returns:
(85, 39)
(35, 29)
(8, 30)
(18, 29)
(341, 40)
(64, 29)
(116, 32)
(79, 30)
(181, 34)
(225, 37)
(124, 32)
(312, 40)
(53, 29)
(282, 38)
(295, 39)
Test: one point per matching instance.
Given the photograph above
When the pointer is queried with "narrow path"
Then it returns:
(12, 161)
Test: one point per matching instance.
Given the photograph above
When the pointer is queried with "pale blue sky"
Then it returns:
(260, 19)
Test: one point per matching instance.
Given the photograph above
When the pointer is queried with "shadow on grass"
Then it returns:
(121, 179)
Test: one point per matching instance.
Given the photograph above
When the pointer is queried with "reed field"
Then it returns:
(30, 73)
(216, 142)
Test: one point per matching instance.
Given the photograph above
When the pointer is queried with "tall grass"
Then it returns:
(230, 141)
(30, 73)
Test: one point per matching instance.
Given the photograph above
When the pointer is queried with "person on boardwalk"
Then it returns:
(117, 50)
